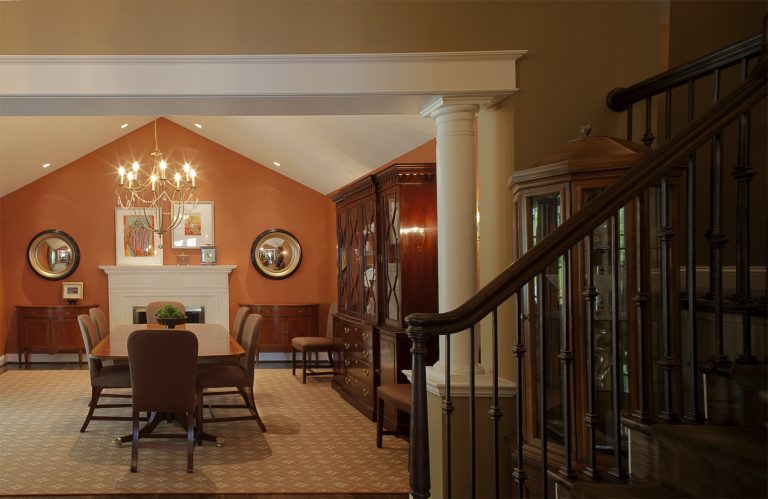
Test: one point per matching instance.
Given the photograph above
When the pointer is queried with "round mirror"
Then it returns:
(53, 254)
(276, 253)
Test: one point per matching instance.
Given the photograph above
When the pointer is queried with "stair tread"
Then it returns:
(590, 490)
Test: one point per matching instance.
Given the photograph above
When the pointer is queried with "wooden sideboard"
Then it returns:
(281, 323)
(49, 329)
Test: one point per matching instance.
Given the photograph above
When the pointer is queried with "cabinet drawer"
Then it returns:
(356, 334)
(359, 389)
(53, 313)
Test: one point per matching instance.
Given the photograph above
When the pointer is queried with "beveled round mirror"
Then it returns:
(53, 254)
(276, 253)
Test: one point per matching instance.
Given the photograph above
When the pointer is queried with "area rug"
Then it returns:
(315, 443)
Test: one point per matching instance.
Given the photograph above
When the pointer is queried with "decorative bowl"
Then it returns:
(171, 322)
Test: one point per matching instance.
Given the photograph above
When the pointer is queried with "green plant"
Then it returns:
(169, 312)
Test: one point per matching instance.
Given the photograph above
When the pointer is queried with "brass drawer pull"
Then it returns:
(346, 346)
(365, 392)
(365, 372)
(347, 362)
(366, 336)
(365, 353)
(346, 330)
(347, 380)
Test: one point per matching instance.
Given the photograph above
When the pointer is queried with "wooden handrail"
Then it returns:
(620, 98)
(649, 170)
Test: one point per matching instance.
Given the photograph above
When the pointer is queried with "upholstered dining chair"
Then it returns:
(116, 376)
(163, 372)
(240, 376)
(100, 319)
(238, 323)
(153, 307)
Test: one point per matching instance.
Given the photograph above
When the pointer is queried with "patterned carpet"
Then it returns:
(315, 443)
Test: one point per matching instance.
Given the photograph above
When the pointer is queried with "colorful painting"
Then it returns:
(193, 225)
(138, 239)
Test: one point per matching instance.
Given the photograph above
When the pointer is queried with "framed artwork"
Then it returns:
(196, 230)
(135, 243)
(72, 291)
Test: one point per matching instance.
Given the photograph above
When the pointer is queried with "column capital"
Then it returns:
(445, 104)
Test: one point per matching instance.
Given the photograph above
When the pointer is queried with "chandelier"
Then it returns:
(159, 198)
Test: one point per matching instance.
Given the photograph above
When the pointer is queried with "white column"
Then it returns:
(456, 216)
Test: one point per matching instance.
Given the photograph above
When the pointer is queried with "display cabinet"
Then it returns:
(387, 262)
(555, 303)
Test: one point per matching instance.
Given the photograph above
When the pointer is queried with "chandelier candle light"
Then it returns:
(159, 198)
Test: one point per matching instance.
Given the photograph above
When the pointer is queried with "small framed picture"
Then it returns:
(208, 255)
(72, 291)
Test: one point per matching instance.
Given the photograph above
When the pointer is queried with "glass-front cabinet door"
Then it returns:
(390, 252)
(544, 311)
(368, 258)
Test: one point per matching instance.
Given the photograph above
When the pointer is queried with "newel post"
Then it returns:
(418, 465)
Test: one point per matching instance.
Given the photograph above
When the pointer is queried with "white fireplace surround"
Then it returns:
(193, 285)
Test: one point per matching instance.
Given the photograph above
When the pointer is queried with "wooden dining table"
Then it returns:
(214, 342)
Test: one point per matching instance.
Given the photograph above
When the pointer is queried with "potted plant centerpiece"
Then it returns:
(170, 316)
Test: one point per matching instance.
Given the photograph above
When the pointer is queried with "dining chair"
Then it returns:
(163, 372)
(237, 333)
(102, 377)
(240, 376)
(154, 306)
(100, 319)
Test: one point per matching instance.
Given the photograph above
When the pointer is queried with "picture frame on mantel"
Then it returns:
(196, 230)
(135, 244)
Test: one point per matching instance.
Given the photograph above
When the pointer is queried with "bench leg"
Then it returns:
(304, 367)
(293, 361)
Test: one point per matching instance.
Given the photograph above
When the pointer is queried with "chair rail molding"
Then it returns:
(193, 285)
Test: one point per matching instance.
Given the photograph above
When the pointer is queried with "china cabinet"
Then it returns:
(387, 262)
(555, 304)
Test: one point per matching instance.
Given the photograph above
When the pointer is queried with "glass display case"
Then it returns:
(553, 306)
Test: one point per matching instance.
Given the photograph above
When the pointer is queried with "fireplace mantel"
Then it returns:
(134, 285)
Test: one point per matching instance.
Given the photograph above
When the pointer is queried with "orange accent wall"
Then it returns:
(248, 198)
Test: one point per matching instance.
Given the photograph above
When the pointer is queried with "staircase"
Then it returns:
(688, 390)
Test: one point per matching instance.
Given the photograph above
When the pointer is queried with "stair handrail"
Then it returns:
(619, 99)
(650, 169)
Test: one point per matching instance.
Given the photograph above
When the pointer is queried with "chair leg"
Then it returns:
(95, 392)
(254, 411)
(293, 361)
(379, 422)
(304, 367)
(330, 359)
(190, 439)
(135, 443)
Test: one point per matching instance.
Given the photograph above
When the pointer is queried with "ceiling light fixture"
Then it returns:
(159, 198)
(124, 125)
(46, 165)
(276, 163)
(198, 125)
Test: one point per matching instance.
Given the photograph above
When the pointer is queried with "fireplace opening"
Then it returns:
(195, 314)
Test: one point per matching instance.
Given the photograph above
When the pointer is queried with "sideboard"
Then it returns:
(281, 323)
(49, 329)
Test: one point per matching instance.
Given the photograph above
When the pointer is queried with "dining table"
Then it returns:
(214, 342)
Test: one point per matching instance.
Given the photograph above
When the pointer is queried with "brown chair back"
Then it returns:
(238, 323)
(163, 370)
(100, 319)
(153, 307)
(250, 343)
(88, 331)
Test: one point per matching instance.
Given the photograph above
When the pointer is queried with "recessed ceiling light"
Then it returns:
(198, 125)
(276, 163)
(124, 125)
(46, 165)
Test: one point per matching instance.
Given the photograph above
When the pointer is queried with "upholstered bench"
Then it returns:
(396, 395)
(308, 345)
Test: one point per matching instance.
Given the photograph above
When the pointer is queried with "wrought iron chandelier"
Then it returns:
(159, 198)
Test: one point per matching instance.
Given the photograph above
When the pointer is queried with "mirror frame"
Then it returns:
(290, 268)
(38, 267)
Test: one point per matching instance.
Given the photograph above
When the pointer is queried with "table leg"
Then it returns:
(154, 419)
